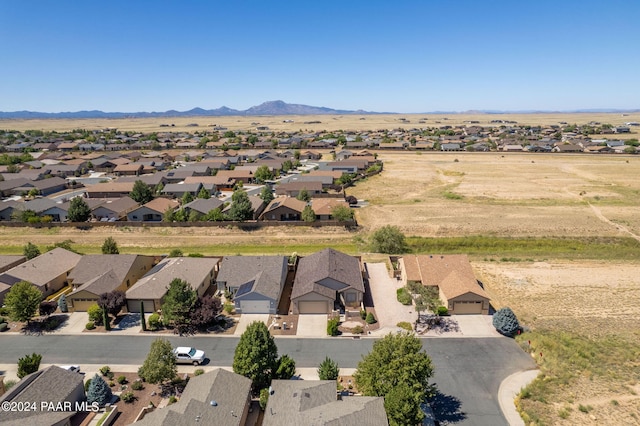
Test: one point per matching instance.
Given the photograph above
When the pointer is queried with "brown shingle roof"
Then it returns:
(42, 269)
(328, 268)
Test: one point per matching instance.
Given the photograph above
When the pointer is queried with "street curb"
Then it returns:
(509, 389)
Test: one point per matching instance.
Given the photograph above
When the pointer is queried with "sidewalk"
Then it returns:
(509, 389)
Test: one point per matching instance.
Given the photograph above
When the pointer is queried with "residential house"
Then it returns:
(452, 147)
(212, 183)
(283, 209)
(52, 385)
(109, 189)
(150, 290)
(256, 282)
(130, 169)
(96, 274)
(7, 262)
(48, 272)
(10, 207)
(203, 205)
(256, 204)
(217, 398)
(292, 189)
(152, 211)
(564, 148)
(315, 402)
(114, 208)
(323, 207)
(178, 190)
(324, 278)
(452, 274)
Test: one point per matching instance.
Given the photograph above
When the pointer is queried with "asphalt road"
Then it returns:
(468, 371)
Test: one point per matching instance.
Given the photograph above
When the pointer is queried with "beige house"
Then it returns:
(152, 211)
(150, 290)
(452, 274)
(103, 273)
(48, 271)
(324, 278)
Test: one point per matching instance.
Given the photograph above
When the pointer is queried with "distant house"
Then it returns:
(53, 385)
(203, 206)
(153, 211)
(256, 282)
(151, 288)
(257, 205)
(292, 189)
(48, 272)
(324, 278)
(315, 402)
(218, 398)
(453, 276)
(283, 209)
(323, 207)
(567, 148)
(131, 169)
(96, 274)
(453, 147)
(109, 189)
(114, 208)
(179, 189)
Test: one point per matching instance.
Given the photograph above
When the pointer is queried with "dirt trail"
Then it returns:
(604, 219)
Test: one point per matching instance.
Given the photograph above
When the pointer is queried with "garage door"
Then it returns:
(134, 306)
(461, 308)
(255, 306)
(83, 305)
(307, 307)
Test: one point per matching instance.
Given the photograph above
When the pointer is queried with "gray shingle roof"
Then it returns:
(315, 403)
(91, 266)
(230, 392)
(328, 267)
(42, 269)
(268, 273)
(204, 206)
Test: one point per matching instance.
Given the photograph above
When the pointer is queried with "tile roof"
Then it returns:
(327, 268)
(315, 403)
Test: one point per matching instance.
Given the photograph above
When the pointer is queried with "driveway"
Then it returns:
(464, 326)
(75, 323)
(310, 325)
(385, 301)
(246, 319)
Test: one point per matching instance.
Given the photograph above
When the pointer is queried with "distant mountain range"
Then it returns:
(266, 108)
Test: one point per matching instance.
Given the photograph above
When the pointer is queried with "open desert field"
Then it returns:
(353, 122)
(461, 194)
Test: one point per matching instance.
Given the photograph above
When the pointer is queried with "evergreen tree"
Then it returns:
(141, 192)
(204, 193)
(328, 369)
(241, 208)
(267, 194)
(256, 355)
(110, 246)
(79, 210)
(178, 303)
(160, 364)
(99, 391)
(28, 364)
(30, 251)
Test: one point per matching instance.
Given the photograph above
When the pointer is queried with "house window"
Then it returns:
(351, 297)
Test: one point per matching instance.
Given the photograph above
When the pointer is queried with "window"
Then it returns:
(351, 297)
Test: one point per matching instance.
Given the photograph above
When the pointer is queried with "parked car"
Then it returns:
(185, 355)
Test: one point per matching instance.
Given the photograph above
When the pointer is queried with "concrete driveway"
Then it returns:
(311, 325)
(383, 291)
(246, 319)
(75, 323)
(464, 326)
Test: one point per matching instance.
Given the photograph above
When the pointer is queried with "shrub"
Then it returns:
(4, 326)
(175, 253)
(505, 321)
(442, 310)
(86, 385)
(90, 325)
(172, 399)
(4, 311)
(112, 384)
(110, 375)
(122, 380)
(357, 329)
(332, 327)
(363, 314)
(28, 364)
(264, 398)
(8, 384)
(405, 325)
(388, 239)
(328, 369)
(228, 308)
(403, 296)
(105, 370)
(137, 385)
(95, 314)
(127, 397)
(98, 391)
(198, 372)
(154, 321)
(370, 318)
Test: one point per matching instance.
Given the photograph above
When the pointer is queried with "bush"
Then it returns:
(175, 253)
(28, 364)
(505, 321)
(2, 320)
(442, 310)
(228, 308)
(154, 321)
(371, 319)
(98, 391)
(137, 385)
(90, 325)
(4, 326)
(86, 385)
(363, 314)
(172, 399)
(95, 314)
(4, 311)
(332, 327)
(357, 329)
(264, 398)
(122, 380)
(198, 372)
(127, 397)
(110, 375)
(388, 239)
(403, 296)
(105, 370)
(405, 325)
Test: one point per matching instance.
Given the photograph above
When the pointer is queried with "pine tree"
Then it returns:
(99, 391)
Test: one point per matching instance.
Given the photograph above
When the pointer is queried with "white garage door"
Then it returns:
(134, 306)
(461, 308)
(255, 306)
(307, 307)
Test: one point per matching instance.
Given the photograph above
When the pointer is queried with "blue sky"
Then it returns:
(404, 56)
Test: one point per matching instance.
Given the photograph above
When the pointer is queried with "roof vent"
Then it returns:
(213, 403)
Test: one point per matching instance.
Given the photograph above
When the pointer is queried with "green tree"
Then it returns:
(328, 369)
(256, 355)
(241, 208)
(186, 198)
(160, 364)
(28, 364)
(194, 216)
(388, 239)
(287, 165)
(342, 213)
(98, 391)
(264, 398)
(178, 304)
(204, 193)
(30, 251)
(263, 174)
(33, 192)
(110, 246)
(169, 215)
(286, 368)
(506, 322)
(308, 215)
(176, 252)
(62, 304)
(79, 210)
(303, 195)
(397, 359)
(141, 192)
(215, 215)
(267, 194)
(23, 301)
